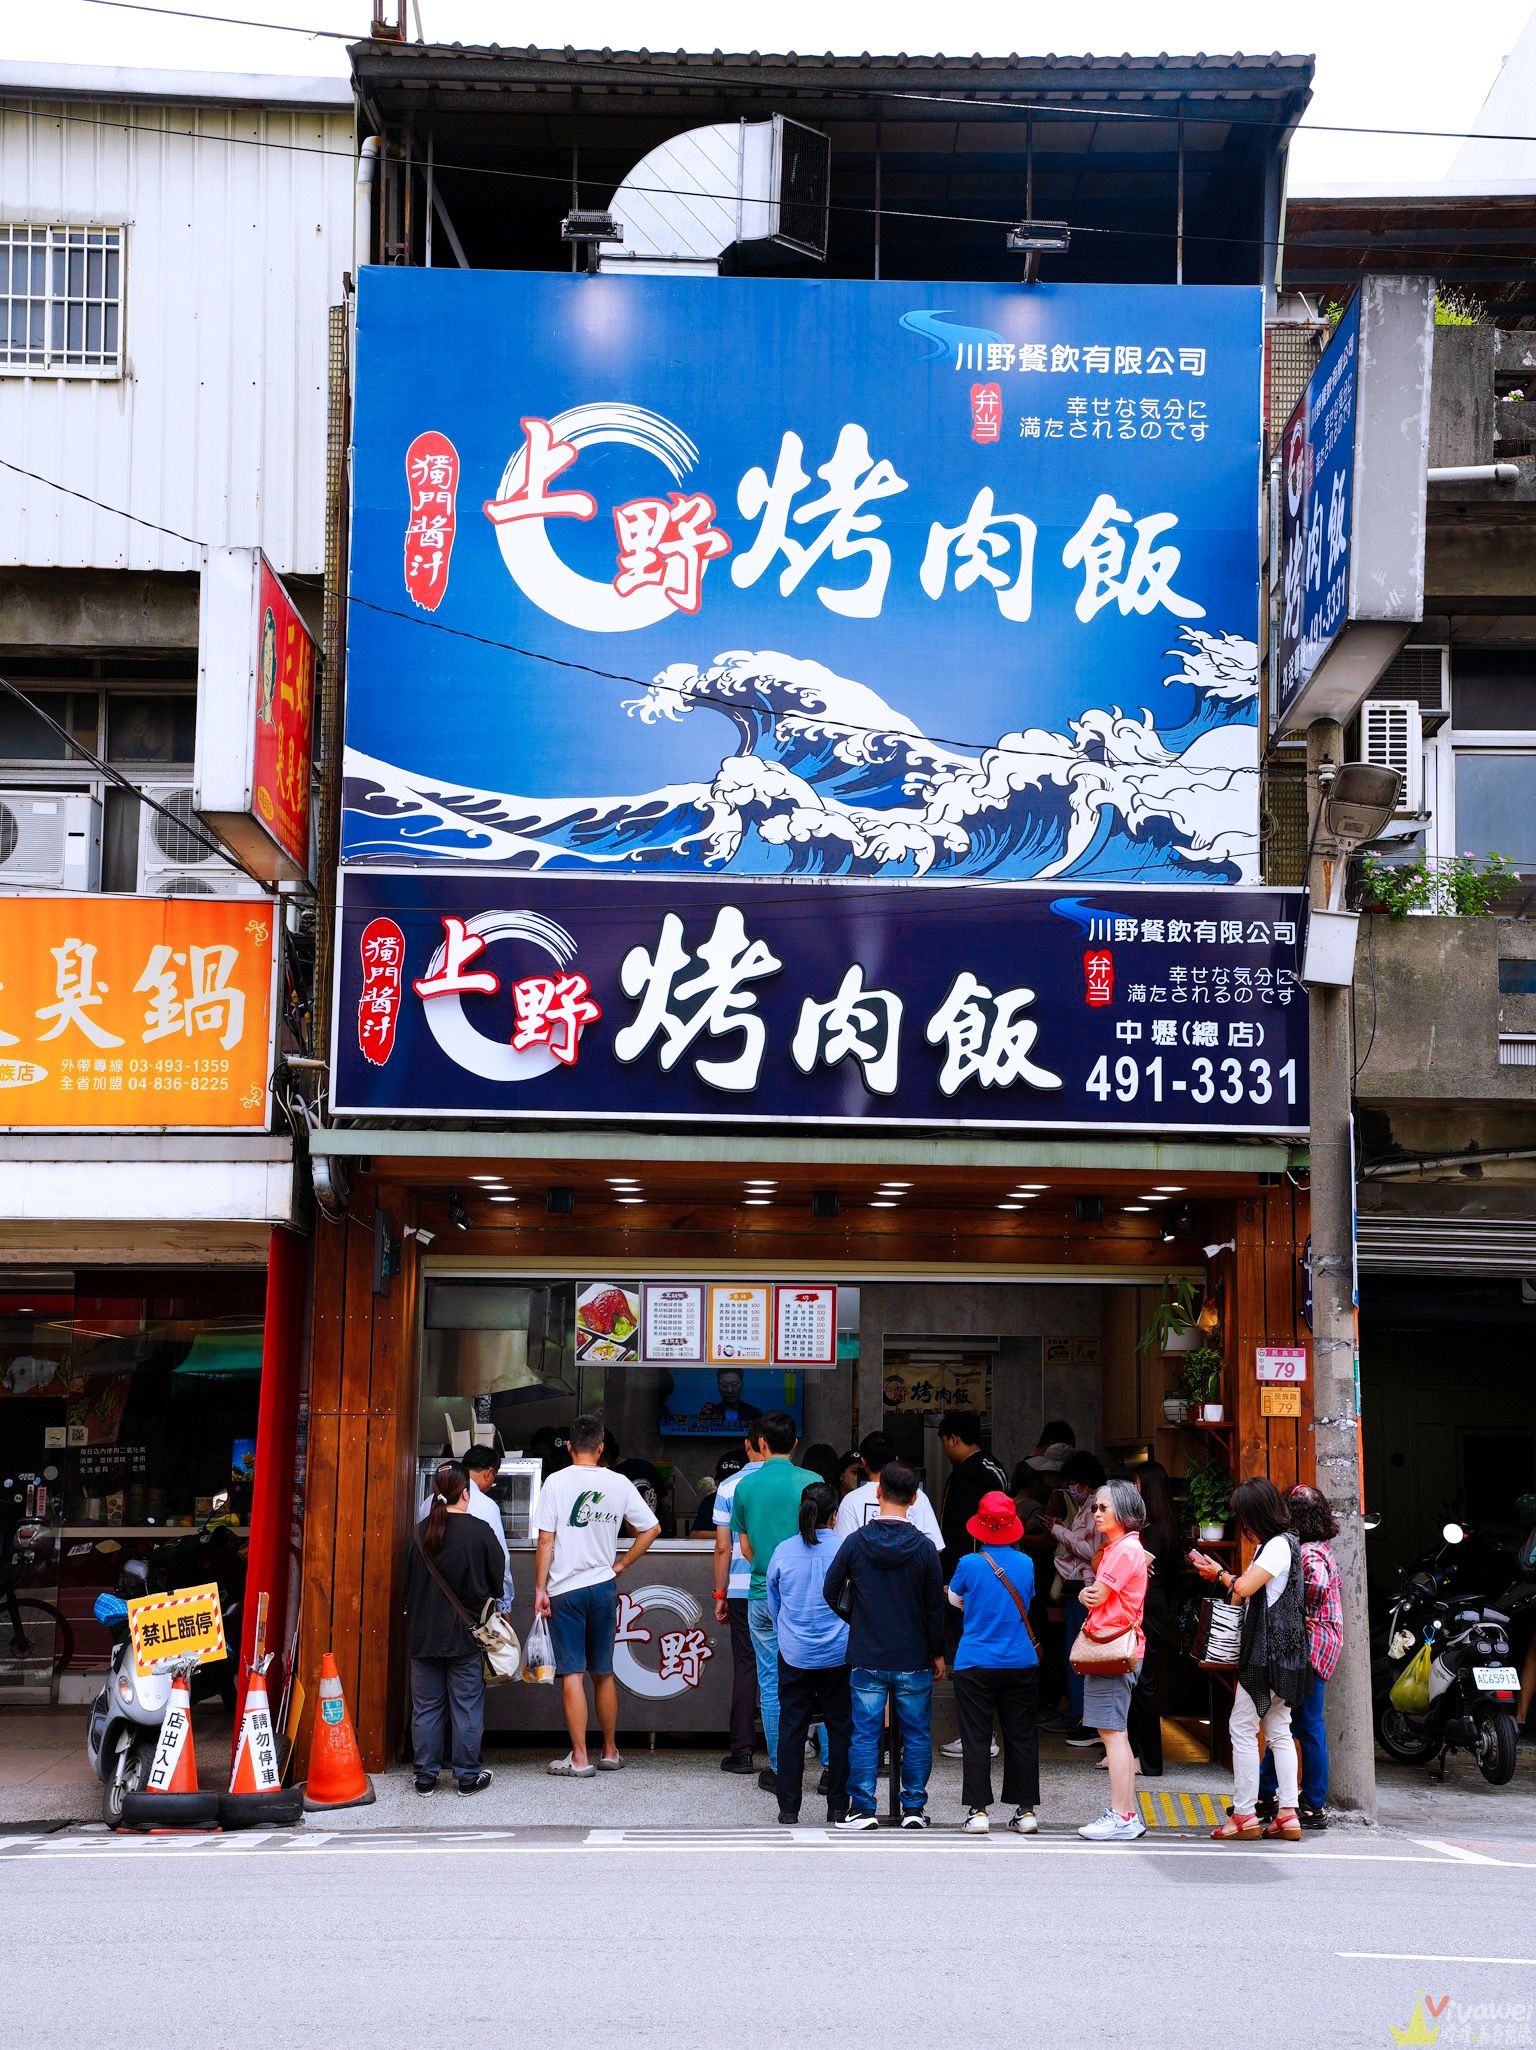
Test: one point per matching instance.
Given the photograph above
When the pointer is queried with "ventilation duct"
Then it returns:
(698, 194)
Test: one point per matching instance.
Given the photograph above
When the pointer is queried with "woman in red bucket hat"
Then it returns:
(997, 1667)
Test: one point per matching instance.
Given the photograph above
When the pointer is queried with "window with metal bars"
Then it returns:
(61, 301)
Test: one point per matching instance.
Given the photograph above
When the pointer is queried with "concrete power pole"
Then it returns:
(1351, 1739)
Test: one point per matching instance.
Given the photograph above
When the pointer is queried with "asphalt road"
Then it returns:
(762, 1937)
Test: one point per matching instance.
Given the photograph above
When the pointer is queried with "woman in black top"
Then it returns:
(1160, 1541)
(447, 1680)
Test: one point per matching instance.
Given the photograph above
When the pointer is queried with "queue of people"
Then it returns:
(847, 1597)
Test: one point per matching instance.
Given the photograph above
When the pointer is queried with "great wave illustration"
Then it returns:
(826, 779)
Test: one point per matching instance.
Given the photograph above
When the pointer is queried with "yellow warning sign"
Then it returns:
(185, 1624)
(1279, 1402)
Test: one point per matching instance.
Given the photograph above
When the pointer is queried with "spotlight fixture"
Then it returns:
(1178, 1223)
(559, 1202)
(457, 1214)
(1039, 238)
(824, 1203)
(1090, 1209)
(583, 225)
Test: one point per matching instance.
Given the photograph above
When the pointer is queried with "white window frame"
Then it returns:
(1442, 751)
(64, 240)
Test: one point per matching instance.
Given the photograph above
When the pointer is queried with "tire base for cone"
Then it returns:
(362, 1800)
(283, 1808)
(170, 1811)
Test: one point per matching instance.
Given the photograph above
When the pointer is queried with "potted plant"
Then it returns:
(1208, 1494)
(1200, 1380)
(1175, 1408)
(1174, 1321)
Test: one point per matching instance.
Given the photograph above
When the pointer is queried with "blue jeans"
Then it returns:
(1074, 1622)
(765, 1646)
(1308, 1729)
(911, 1699)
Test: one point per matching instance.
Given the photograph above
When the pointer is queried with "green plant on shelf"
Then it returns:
(1178, 1310)
(1208, 1492)
(1456, 887)
(1200, 1376)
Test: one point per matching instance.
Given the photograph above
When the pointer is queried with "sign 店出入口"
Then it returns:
(132, 1013)
(1004, 1005)
(967, 591)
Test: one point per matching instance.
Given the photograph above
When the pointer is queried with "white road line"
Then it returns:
(1457, 1851)
(1430, 1957)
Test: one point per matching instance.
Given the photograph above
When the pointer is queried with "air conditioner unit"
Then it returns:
(1392, 737)
(49, 840)
(173, 860)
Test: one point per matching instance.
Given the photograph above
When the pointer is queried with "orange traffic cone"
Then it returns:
(169, 1799)
(256, 1754)
(336, 1775)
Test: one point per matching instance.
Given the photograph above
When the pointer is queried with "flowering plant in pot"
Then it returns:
(1200, 1379)
(1208, 1497)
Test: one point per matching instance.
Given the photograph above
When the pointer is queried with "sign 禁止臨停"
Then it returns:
(1008, 1005)
(751, 577)
(135, 1013)
(187, 1623)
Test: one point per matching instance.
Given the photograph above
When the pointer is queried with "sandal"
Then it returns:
(1236, 1826)
(1286, 1824)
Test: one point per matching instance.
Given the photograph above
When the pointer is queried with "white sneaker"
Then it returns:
(1114, 1829)
(852, 1823)
(1023, 1823)
(956, 1749)
(977, 1823)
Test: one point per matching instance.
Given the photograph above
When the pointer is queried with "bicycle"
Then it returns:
(34, 1634)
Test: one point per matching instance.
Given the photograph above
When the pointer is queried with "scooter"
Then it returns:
(1472, 1685)
(126, 1715)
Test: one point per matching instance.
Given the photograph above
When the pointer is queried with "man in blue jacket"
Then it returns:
(895, 1646)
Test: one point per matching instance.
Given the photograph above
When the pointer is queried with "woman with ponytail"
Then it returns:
(452, 1569)
(813, 1655)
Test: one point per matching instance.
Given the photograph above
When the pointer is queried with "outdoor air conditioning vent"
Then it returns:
(49, 840)
(1392, 737)
(174, 856)
(1422, 674)
(700, 193)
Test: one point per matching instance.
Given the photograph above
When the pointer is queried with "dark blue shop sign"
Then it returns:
(1131, 1008)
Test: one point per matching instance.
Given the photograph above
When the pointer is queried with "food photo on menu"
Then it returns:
(608, 1324)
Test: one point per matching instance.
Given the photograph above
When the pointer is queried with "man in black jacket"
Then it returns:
(972, 1475)
(895, 1646)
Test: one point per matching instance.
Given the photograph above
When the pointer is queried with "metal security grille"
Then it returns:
(1447, 1245)
(1290, 356)
(1283, 822)
(61, 301)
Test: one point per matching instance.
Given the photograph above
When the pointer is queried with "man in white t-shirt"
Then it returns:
(859, 1506)
(575, 1581)
(480, 1470)
(734, 1574)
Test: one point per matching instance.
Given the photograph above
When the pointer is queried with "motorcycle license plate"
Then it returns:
(1496, 1679)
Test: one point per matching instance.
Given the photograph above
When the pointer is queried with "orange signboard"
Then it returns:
(285, 687)
(135, 1013)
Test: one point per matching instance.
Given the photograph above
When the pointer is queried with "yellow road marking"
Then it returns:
(1178, 1810)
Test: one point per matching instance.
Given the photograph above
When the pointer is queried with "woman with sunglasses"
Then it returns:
(1114, 1600)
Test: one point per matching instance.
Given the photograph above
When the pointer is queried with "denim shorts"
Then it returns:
(582, 1624)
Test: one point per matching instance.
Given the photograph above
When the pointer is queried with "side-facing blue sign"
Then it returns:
(499, 997)
(770, 578)
(1317, 487)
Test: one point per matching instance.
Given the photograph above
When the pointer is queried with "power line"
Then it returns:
(641, 683)
(1075, 111)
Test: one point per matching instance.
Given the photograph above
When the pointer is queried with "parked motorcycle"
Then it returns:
(1471, 1686)
(125, 1716)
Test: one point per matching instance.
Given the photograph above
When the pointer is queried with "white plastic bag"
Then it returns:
(538, 1655)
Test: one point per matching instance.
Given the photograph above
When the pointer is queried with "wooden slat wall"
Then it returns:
(1271, 1232)
(361, 1471)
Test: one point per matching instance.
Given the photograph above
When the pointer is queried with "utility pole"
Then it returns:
(1351, 1737)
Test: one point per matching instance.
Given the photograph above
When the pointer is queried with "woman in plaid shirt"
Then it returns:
(1312, 1521)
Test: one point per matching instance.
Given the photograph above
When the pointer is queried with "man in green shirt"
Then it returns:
(764, 1511)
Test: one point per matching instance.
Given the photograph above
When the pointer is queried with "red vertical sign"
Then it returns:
(432, 480)
(285, 710)
(382, 947)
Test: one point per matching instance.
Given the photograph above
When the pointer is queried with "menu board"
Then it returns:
(805, 1327)
(673, 1322)
(608, 1324)
(738, 1324)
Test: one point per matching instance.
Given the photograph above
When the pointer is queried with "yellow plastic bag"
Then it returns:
(1410, 1690)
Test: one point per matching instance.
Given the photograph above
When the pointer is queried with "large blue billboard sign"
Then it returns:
(504, 997)
(1317, 487)
(774, 579)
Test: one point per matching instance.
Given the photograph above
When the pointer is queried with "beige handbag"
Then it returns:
(1110, 1654)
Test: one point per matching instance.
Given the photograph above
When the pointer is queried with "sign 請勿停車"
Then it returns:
(187, 1623)
(135, 1013)
(968, 591)
(1007, 1005)
(1284, 1363)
